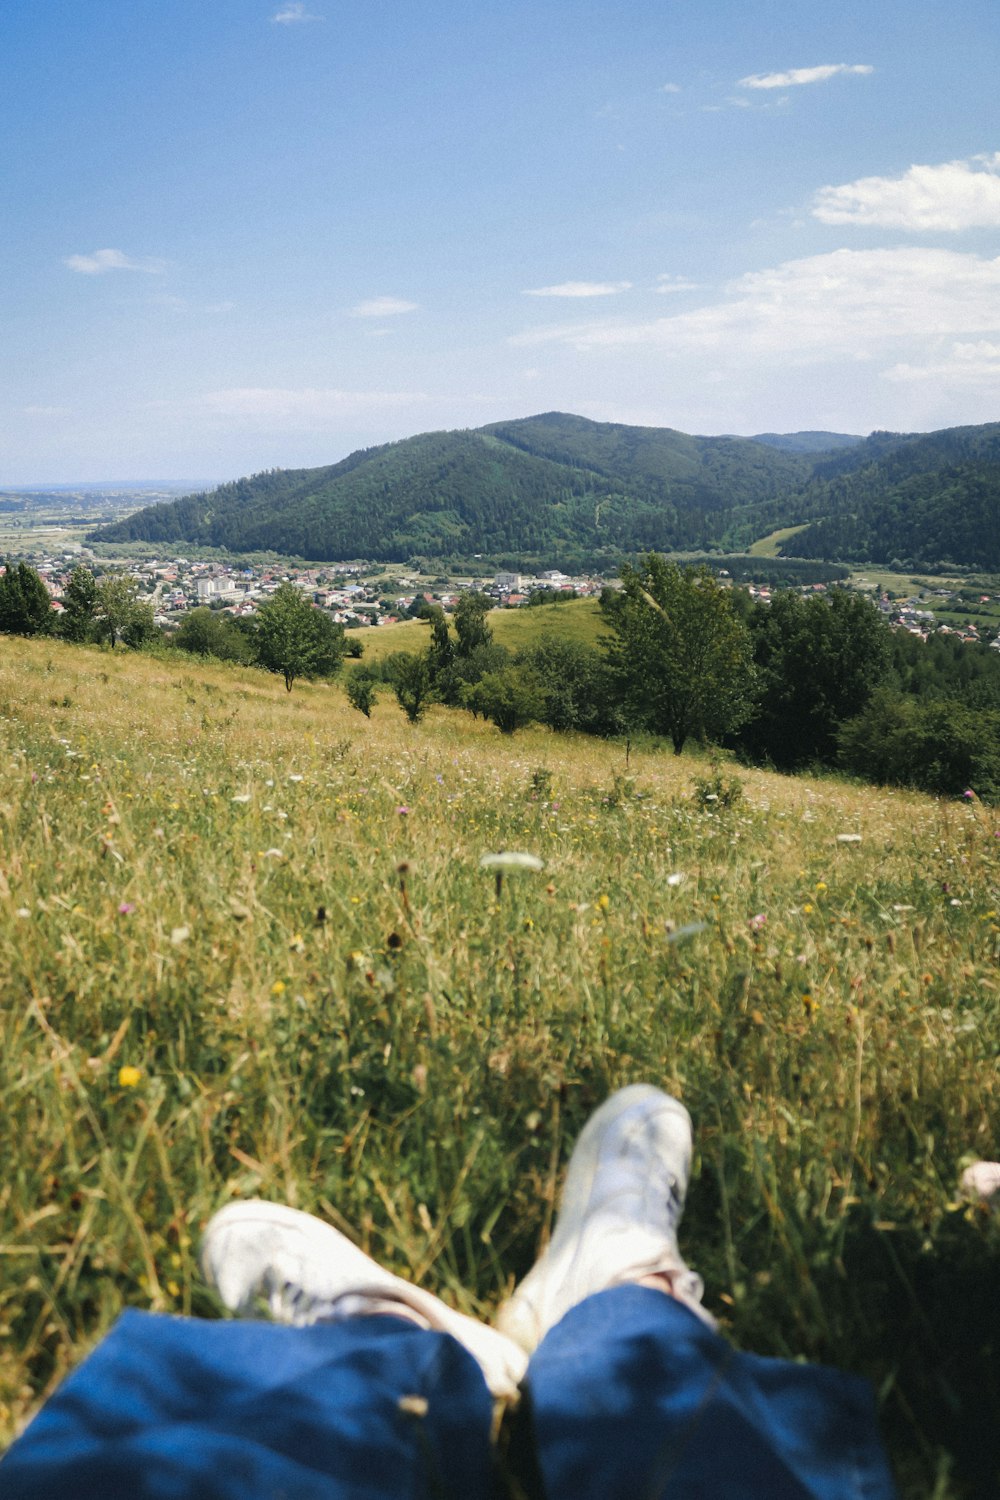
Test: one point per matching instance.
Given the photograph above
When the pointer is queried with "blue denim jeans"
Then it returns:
(630, 1397)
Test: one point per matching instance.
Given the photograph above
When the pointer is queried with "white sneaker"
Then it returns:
(621, 1204)
(304, 1271)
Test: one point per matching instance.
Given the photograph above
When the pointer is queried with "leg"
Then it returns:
(631, 1393)
(345, 1404)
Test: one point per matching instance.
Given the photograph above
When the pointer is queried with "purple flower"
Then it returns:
(402, 811)
(757, 922)
(126, 908)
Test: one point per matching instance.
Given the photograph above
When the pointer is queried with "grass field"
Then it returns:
(517, 629)
(246, 948)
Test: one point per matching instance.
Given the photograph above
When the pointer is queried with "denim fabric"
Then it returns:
(630, 1396)
(179, 1409)
(634, 1397)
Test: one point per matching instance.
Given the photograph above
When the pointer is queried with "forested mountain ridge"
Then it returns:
(920, 498)
(577, 492)
(542, 484)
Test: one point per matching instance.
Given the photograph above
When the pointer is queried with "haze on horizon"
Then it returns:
(253, 235)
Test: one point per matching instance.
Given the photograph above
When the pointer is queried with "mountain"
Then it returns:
(560, 490)
(920, 498)
(807, 442)
(552, 484)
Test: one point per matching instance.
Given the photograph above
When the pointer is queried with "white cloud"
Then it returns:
(953, 196)
(670, 88)
(975, 365)
(383, 307)
(847, 305)
(102, 261)
(301, 409)
(580, 289)
(291, 14)
(666, 283)
(796, 76)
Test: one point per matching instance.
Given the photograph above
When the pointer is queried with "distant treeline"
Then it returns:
(805, 682)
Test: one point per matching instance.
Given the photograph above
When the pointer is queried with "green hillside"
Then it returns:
(559, 490)
(924, 499)
(548, 487)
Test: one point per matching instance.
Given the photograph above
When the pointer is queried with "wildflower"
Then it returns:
(129, 1077)
(296, 943)
(273, 854)
(603, 902)
(821, 885)
(402, 811)
(509, 859)
(677, 878)
(808, 1004)
(179, 935)
(295, 778)
(848, 838)
(278, 987)
(241, 797)
(757, 922)
(808, 908)
(126, 908)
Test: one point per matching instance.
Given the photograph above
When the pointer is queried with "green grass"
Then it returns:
(271, 909)
(517, 629)
(770, 545)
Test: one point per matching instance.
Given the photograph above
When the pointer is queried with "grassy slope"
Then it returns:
(577, 619)
(200, 881)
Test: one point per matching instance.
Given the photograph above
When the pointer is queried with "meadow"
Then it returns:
(246, 948)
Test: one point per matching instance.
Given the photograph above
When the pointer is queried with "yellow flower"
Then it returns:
(278, 987)
(129, 1077)
(807, 908)
(603, 902)
(821, 885)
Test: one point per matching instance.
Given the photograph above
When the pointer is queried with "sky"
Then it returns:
(238, 235)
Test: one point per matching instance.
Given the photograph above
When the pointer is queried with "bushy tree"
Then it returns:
(576, 692)
(818, 662)
(360, 689)
(79, 618)
(25, 602)
(935, 745)
(680, 659)
(471, 626)
(295, 639)
(121, 615)
(410, 679)
(509, 698)
(207, 632)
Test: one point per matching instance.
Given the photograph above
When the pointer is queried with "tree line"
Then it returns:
(804, 682)
(285, 635)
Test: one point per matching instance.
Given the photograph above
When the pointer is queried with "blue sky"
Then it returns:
(239, 235)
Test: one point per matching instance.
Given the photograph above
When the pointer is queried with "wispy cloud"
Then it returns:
(795, 76)
(848, 304)
(667, 283)
(580, 289)
(670, 88)
(293, 13)
(383, 307)
(102, 261)
(302, 409)
(954, 196)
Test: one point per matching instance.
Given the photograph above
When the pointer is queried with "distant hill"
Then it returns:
(807, 442)
(552, 485)
(919, 498)
(560, 490)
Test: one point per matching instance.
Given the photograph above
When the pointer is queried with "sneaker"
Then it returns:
(621, 1204)
(302, 1271)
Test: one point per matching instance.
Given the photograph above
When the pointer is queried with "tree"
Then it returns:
(295, 639)
(410, 679)
(509, 698)
(79, 617)
(818, 661)
(679, 657)
(470, 623)
(205, 632)
(25, 602)
(360, 688)
(121, 614)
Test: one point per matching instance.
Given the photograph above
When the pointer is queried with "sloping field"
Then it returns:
(517, 629)
(246, 948)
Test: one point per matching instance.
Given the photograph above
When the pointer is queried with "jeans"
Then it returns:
(629, 1397)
